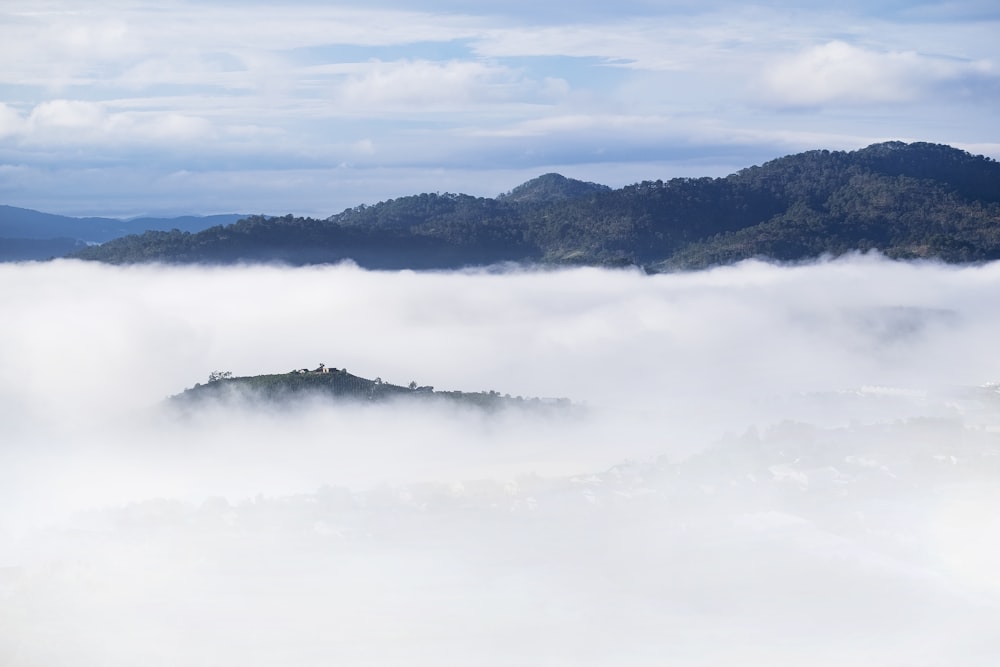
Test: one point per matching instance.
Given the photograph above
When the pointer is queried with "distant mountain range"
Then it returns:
(26, 234)
(907, 201)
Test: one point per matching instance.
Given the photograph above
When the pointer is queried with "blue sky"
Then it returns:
(130, 107)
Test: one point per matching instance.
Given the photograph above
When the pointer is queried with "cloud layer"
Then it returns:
(766, 452)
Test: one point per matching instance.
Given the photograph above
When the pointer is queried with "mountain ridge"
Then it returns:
(907, 201)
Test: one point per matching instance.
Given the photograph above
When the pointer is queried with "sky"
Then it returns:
(755, 474)
(129, 107)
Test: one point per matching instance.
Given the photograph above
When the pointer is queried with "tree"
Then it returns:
(215, 376)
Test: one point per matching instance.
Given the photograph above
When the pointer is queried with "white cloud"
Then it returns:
(75, 122)
(768, 452)
(68, 114)
(91, 39)
(67, 45)
(841, 73)
(416, 86)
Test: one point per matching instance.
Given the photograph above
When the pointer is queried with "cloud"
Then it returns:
(77, 122)
(56, 48)
(577, 123)
(841, 73)
(416, 86)
(11, 122)
(65, 45)
(614, 339)
(765, 451)
(457, 98)
(68, 114)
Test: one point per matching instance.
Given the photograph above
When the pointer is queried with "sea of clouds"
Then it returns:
(765, 465)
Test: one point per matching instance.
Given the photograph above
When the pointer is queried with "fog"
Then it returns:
(764, 465)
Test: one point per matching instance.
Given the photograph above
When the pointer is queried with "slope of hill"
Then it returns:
(906, 200)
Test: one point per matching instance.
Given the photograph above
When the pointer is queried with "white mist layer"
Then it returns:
(775, 466)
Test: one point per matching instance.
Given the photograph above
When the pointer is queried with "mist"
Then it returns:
(764, 464)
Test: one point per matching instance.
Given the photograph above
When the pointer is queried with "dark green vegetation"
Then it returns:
(341, 385)
(906, 200)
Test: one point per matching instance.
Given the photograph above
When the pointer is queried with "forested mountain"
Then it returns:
(906, 200)
(549, 188)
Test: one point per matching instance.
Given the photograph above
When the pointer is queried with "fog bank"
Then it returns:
(773, 465)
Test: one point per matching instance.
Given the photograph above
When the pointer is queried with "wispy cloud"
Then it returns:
(421, 86)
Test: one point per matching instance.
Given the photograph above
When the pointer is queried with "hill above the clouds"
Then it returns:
(907, 201)
(337, 383)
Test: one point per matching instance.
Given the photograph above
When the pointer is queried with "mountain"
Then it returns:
(549, 188)
(25, 223)
(23, 250)
(26, 234)
(914, 200)
(337, 383)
